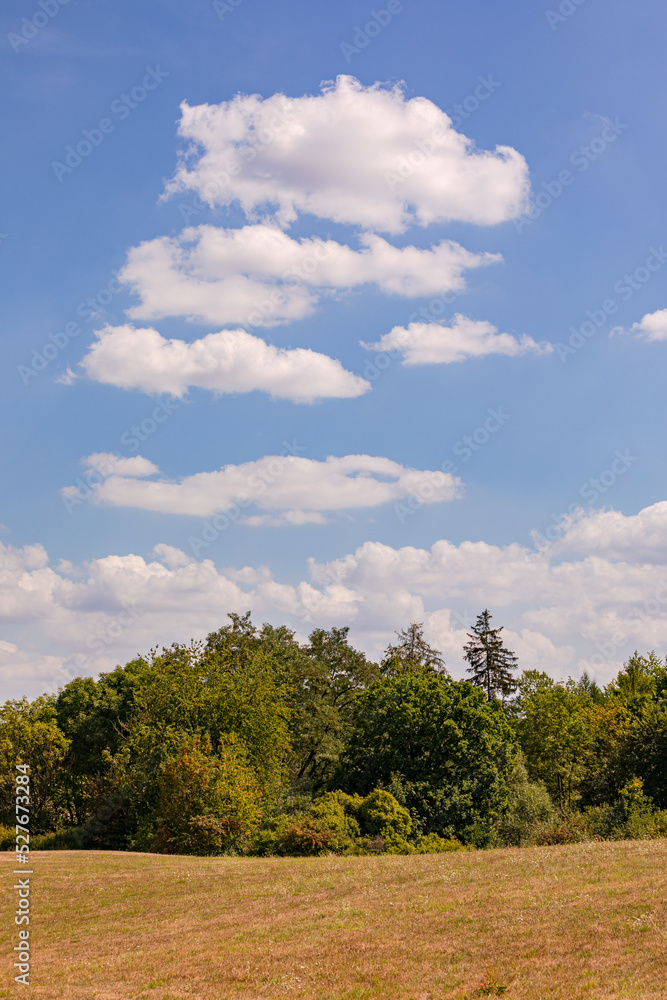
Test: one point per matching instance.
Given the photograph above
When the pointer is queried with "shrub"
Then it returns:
(571, 829)
(433, 844)
(337, 811)
(296, 836)
(631, 817)
(382, 816)
(529, 810)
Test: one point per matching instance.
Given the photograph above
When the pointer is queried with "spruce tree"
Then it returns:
(491, 665)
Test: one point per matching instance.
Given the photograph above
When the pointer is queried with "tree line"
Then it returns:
(251, 742)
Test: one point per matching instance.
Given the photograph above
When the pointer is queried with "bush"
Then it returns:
(337, 811)
(295, 836)
(344, 824)
(631, 817)
(382, 816)
(433, 844)
(571, 829)
(530, 809)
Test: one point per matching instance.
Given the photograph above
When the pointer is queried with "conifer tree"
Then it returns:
(491, 665)
(412, 653)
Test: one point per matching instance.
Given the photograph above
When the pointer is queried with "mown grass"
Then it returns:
(582, 921)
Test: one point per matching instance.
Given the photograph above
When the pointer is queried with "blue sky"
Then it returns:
(569, 88)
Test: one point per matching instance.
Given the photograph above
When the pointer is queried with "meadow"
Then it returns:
(580, 921)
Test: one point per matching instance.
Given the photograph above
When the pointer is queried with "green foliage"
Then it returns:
(93, 714)
(340, 814)
(206, 803)
(330, 677)
(491, 986)
(296, 836)
(447, 748)
(431, 843)
(320, 681)
(640, 677)
(631, 817)
(344, 824)
(229, 745)
(29, 734)
(555, 734)
(213, 692)
(529, 809)
(411, 654)
(382, 816)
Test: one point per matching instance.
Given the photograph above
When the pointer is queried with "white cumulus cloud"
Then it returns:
(367, 156)
(651, 327)
(298, 489)
(438, 343)
(641, 537)
(230, 361)
(257, 275)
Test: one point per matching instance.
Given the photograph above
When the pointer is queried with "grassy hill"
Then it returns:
(582, 921)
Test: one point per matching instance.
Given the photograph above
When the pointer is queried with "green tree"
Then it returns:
(556, 735)
(93, 714)
(29, 734)
(330, 679)
(320, 680)
(411, 653)
(491, 664)
(437, 744)
(206, 803)
(640, 677)
(218, 691)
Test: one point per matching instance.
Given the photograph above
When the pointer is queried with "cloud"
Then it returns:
(652, 327)
(106, 463)
(640, 538)
(225, 362)
(436, 343)
(367, 156)
(560, 613)
(259, 276)
(295, 490)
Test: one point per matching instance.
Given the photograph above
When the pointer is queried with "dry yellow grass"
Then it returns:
(584, 921)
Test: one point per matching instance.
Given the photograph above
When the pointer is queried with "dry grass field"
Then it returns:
(583, 921)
